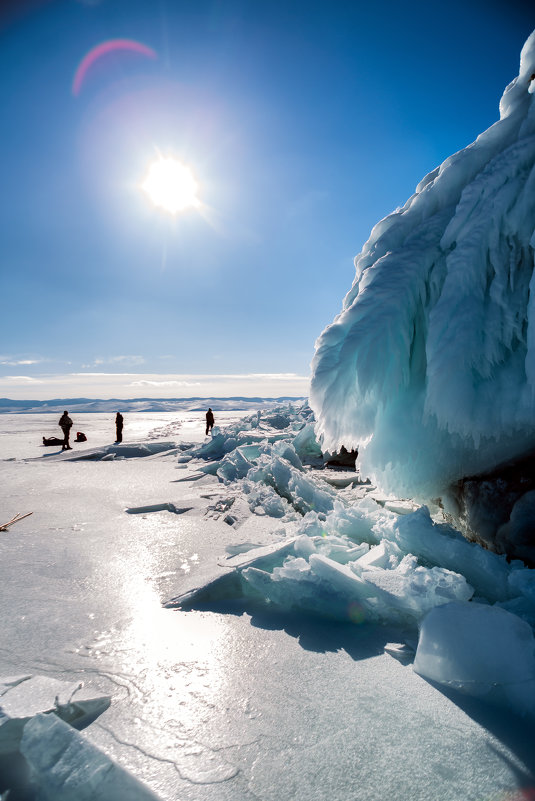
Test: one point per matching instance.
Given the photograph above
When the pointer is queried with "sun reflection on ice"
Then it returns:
(174, 665)
(178, 659)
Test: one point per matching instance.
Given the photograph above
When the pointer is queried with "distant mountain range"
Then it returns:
(8, 406)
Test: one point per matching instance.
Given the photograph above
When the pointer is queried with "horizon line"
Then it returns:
(164, 400)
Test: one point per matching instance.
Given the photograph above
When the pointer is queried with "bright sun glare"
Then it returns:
(170, 185)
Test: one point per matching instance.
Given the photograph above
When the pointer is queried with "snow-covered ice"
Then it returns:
(278, 680)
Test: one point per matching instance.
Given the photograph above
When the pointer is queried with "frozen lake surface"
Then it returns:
(232, 702)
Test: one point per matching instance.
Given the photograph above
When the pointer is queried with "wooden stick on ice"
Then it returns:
(16, 519)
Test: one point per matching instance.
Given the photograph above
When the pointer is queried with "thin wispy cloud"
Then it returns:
(146, 383)
(19, 362)
(129, 360)
(21, 379)
(203, 378)
(272, 376)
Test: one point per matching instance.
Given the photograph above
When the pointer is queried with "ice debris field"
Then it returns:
(350, 553)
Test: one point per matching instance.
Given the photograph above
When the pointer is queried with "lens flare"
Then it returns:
(100, 50)
(356, 613)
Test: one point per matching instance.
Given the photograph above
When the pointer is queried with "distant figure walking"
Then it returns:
(119, 427)
(65, 423)
(209, 420)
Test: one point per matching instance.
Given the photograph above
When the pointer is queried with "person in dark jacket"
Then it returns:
(119, 427)
(209, 420)
(65, 423)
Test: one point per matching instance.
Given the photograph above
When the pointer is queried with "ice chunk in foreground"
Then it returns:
(131, 450)
(429, 369)
(23, 697)
(325, 586)
(66, 767)
(480, 650)
(414, 589)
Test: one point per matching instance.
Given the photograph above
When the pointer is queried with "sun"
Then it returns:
(170, 185)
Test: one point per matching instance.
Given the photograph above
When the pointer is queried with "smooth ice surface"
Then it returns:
(240, 698)
(429, 369)
(481, 650)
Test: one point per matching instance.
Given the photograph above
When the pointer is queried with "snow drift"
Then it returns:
(430, 366)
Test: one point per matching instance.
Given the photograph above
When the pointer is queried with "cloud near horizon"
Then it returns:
(145, 383)
(123, 385)
(19, 362)
(131, 361)
(21, 379)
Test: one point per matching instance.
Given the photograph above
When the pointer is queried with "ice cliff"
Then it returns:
(429, 369)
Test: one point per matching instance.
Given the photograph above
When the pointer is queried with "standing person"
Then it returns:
(65, 424)
(119, 427)
(209, 420)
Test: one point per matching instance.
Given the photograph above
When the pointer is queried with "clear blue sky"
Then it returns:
(304, 123)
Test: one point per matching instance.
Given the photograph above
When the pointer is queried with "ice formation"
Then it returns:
(344, 554)
(132, 450)
(23, 697)
(479, 650)
(429, 369)
(65, 766)
(39, 721)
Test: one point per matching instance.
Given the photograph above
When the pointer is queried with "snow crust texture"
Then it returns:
(429, 369)
(347, 552)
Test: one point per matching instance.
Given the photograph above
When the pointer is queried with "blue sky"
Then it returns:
(304, 124)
